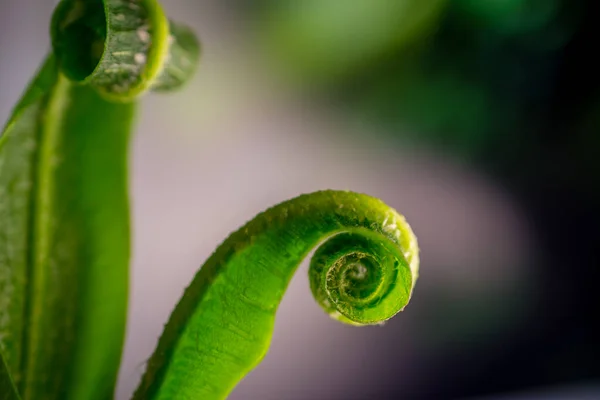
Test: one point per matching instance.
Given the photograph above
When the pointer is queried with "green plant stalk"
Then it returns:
(64, 235)
(66, 215)
(64, 224)
(363, 274)
(80, 246)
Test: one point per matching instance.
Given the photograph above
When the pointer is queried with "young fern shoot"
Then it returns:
(363, 274)
(64, 230)
(64, 221)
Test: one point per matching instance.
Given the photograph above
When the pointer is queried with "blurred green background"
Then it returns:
(478, 120)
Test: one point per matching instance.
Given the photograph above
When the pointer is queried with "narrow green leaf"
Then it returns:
(363, 274)
(64, 247)
(7, 387)
(64, 224)
(18, 152)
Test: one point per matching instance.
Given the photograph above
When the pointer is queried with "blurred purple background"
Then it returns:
(291, 99)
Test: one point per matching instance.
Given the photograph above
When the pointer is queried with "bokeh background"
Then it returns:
(478, 120)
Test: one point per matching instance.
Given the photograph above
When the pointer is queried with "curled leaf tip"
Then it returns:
(363, 273)
(360, 279)
(122, 47)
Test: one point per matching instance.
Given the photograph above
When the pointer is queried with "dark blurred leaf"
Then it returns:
(323, 40)
(7, 387)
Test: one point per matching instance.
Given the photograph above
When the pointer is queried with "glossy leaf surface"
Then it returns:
(64, 222)
(363, 274)
(65, 239)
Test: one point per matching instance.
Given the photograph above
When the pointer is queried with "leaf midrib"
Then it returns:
(39, 228)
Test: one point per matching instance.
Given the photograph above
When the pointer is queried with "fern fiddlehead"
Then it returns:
(122, 47)
(363, 274)
(64, 230)
(64, 280)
